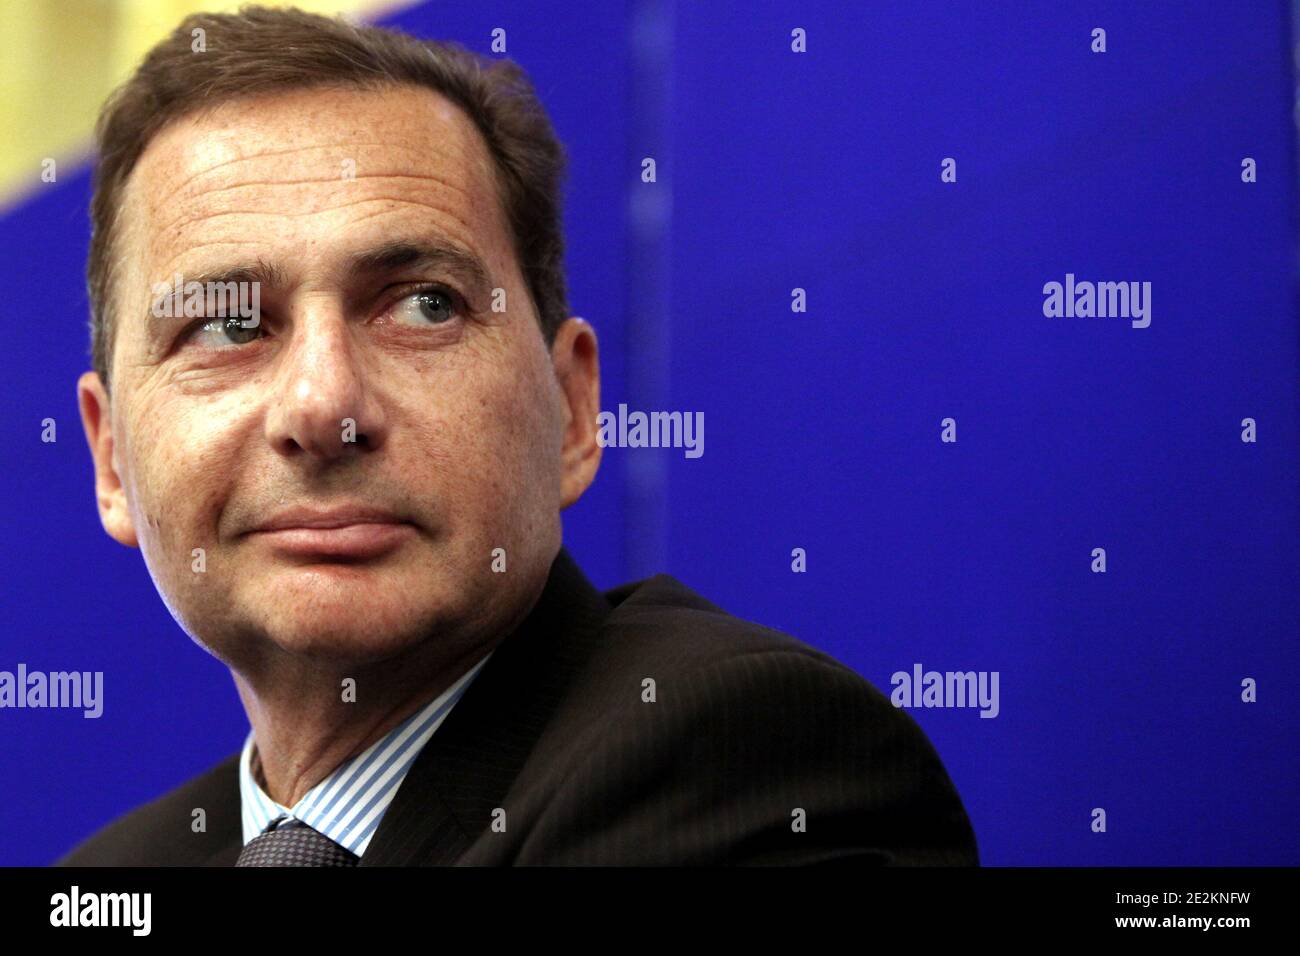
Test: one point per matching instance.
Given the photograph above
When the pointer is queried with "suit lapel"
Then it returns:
(219, 793)
(467, 767)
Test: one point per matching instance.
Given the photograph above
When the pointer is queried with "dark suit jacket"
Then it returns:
(748, 726)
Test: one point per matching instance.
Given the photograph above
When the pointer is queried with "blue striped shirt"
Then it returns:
(348, 804)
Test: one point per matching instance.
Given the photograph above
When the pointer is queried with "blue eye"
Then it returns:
(225, 331)
(426, 306)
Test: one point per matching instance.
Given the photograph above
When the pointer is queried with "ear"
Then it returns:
(576, 358)
(114, 514)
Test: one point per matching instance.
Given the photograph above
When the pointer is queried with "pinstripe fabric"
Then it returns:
(348, 805)
(756, 749)
(716, 769)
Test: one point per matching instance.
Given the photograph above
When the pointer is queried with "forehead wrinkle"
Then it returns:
(170, 266)
(445, 182)
(464, 185)
(390, 117)
(158, 238)
(273, 153)
(188, 216)
(469, 231)
(464, 224)
(459, 156)
(209, 170)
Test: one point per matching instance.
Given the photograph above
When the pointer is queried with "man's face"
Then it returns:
(467, 435)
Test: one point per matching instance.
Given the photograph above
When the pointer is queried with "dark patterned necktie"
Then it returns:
(295, 844)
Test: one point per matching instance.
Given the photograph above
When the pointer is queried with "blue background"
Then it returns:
(821, 171)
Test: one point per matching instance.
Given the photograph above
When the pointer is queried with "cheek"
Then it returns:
(525, 415)
(497, 435)
(532, 472)
(177, 474)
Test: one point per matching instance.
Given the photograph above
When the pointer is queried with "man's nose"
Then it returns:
(323, 404)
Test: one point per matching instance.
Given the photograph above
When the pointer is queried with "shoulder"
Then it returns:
(663, 620)
(162, 832)
(661, 629)
(728, 741)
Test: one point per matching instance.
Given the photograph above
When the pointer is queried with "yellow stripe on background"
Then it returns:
(59, 60)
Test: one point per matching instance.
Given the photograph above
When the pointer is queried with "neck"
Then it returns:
(308, 717)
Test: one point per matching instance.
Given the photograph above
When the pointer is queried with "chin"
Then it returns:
(331, 636)
(346, 612)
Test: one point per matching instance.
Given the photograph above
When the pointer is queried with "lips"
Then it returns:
(352, 533)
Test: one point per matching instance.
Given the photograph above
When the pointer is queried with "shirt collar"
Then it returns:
(349, 803)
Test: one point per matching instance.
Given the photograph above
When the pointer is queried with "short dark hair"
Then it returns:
(260, 50)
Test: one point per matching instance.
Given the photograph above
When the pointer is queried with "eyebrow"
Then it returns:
(425, 254)
(386, 257)
(259, 271)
